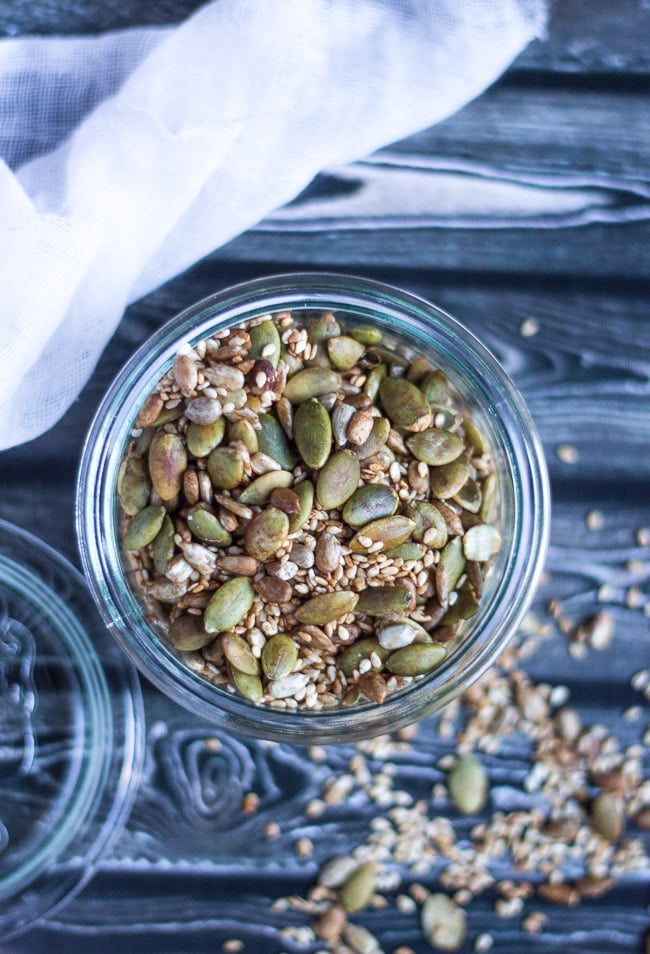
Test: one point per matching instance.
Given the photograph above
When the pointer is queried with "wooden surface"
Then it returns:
(532, 203)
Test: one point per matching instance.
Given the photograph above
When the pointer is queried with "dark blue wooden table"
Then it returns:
(545, 254)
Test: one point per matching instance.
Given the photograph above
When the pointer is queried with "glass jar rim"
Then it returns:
(413, 316)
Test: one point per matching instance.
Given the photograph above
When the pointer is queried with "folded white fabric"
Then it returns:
(132, 155)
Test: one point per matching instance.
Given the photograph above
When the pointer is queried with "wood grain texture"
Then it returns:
(532, 203)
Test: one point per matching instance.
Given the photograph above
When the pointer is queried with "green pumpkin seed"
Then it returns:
(338, 480)
(481, 542)
(376, 441)
(344, 352)
(357, 890)
(452, 561)
(305, 492)
(418, 370)
(312, 431)
(370, 502)
(187, 633)
(162, 548)
(203, 438)
(133, 485)
(467, 784)
(366, 334)
(373, 381)
(247, 685)
(407, 552)
(361, 649)
(326, 607)
(167, 463)
(469, 496)
(266, 533)
(404, 404)
(607, 816)
(430, 525)
(323, 327)
(229, 604)
(448, 479)
(265, 343)
(279, 656)
(475, 437)
(390, 531)
(312, 382)
(239, 654)
(245, 432)
(144, 527)
(435, 446)
(226, 468)
(205, 526)
(490, 494)
(416, 659)
(274, 442)
(385, 601)
(443, 922)
(434, 387)
(465, 607)
(260, 489)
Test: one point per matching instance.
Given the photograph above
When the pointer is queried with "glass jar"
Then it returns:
(413, 327)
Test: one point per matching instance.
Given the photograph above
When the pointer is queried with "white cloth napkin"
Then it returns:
(131, 155)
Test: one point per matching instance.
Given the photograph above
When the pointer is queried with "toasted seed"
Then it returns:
(607, 816)
(187, 633)
(284, 410)
(167, 463)
(323, 327)
(407, 551)
(358, 888)
(265, 343)
(434, 387)
(239, 654)
(148, 413)
(366, 334)
(385, 601)
(416, 659)
(378, 437)
(330, 925)
(397, 635)
(266, 533)
(454, 523)
(490, 496)
(305, 492)
(443, 923)
(238, 565)
(226, 468)
(206, 526)
(203, 438)
(224, 376)
(418, 370)
(430, 526)
(592, 886)
(285, 499)
(559, 893)
(259, 490)
(481, 542)
(273, 589)
(338, 480)
(327, 554)
(312, 431)
(162, 548)
(326, 607)
(448, 479)
(229, 604)
(288, 686)
(247, 685)
(467, 783)
(404, 404)
(203, 410)
(167, 591)
(373, 685)
(274, 443)
(144, 527)
(344, 352)
(360, 427)
(469, 496)
(310, 383)
(435, 446)
(279, 656)
(361, 649)
(185, 372)
(369, 502)
(390, 531)
(133, 485)
(261, 377)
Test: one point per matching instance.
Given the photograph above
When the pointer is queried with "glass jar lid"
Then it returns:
(71, 731)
